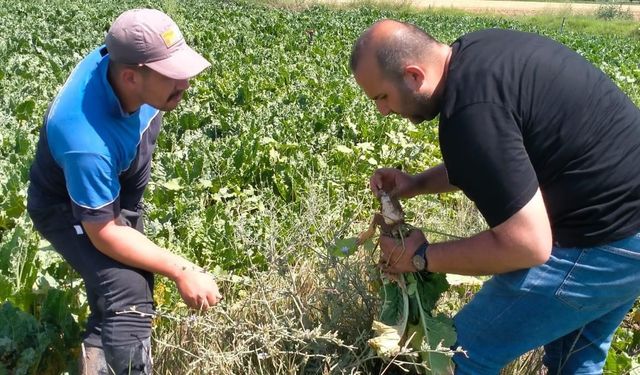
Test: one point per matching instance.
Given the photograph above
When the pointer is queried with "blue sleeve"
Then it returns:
(92, 181)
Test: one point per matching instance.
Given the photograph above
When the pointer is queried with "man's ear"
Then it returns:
(414, 77)
(129, 77)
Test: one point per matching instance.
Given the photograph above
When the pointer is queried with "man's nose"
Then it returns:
(182, 84)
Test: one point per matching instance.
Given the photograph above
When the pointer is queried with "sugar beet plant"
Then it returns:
(256, 174)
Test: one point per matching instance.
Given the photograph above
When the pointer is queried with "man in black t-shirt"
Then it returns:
(548, 148)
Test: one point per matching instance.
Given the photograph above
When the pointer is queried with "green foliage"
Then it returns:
(20, 344)
(407, 311)
(624, 355)
(435, 334)
(275, 126)
(39, 318)
(584, 24)
(394, 307)
(344, 247)
(39, 346)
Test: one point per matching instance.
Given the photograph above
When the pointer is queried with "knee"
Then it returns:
(478, 356)
(128, 307)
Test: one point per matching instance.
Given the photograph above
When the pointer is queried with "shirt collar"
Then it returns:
(114, 105)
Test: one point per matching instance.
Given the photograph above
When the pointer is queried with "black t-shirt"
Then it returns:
(521, 111)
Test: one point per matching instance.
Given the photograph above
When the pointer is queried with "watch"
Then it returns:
(419, 259)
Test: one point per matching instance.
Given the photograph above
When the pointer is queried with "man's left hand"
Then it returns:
(397, 253)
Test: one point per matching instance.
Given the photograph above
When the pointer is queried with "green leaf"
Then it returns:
(395, 307)
(19, 333)
(173, 184)
(344, 149)
(440, 330)
(344, 247)
(369, 245)
(25, 109)
(430, 288)
(426, 333)
(617, 363)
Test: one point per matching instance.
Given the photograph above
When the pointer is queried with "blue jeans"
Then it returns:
(571, 305)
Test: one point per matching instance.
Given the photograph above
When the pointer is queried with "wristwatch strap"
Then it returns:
(422, 251)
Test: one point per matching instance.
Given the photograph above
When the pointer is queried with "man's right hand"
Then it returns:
(394, 182)
(198, 288)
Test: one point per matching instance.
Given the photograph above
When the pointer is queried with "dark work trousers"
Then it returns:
(120, 297)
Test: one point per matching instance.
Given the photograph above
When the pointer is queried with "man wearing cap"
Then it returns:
(547, 147)
(88, 177)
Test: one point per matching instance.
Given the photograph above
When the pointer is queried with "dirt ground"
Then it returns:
(507, 7)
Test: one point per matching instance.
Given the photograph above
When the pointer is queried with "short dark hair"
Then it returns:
(392, 53)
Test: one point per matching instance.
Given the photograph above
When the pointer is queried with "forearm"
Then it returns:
(432, 181)
(482, 254)
(198, 289)
(522, 241)
(134, 249)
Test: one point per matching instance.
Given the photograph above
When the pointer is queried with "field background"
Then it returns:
(513, 8)
(257, 173)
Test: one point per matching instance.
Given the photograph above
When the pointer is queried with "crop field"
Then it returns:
(257, 174)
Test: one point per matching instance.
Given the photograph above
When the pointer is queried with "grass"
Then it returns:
(609, 19)
(309, 315)
(583, 24)
(304, 314)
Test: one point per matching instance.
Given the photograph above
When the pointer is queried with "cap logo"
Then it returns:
(171, 36)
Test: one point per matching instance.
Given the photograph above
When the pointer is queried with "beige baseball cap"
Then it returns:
(150, 37)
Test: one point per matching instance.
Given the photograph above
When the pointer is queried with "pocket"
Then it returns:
(601, 278)
(626, 248)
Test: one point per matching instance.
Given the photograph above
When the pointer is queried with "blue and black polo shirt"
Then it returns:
(92, 155)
